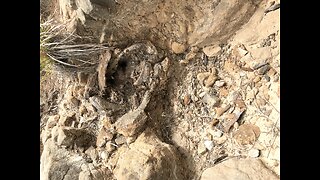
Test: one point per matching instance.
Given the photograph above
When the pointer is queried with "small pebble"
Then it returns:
(266, 77)
(201, 148)
(242, 73)
(202, 94)
(263, 69)
(216, 133)
(110, 147)
(219, 83)
(187, 99)
(104, 155)
(120, 140)
(253, 153)
(256, 79)
(208, 144)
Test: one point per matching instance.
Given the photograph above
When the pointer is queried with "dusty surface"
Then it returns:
(187, 88)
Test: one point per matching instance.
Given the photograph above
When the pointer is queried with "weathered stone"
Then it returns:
(110, 147)
(210, 51)
(240, 169)
(219, 83)
(247, 134)
(201, 148)
(103, 136)
(148, 158)
(92, 153)
(212, 101)
(253, 153)
(132, 122)
(68, 136)
(178, 48)
(263, 69)
(220, 140)
(208, 144)
(120, 140)
(221, 110)
(58, 163)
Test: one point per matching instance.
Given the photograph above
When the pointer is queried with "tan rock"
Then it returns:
(201, 148)
(178, 48)
(103, 136)
(247, 134)
(221, 110)
(148, 158)
(240, 169)
(211, 51)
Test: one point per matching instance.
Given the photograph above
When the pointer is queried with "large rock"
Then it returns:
(57, 163)
(148, 158)
(239, 169)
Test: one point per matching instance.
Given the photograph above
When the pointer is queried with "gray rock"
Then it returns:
(239, 169)
(57, 163)
(263, 69)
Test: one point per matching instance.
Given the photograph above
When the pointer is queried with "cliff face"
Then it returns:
(178, 90)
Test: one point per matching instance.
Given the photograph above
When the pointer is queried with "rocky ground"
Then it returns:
(184, 90)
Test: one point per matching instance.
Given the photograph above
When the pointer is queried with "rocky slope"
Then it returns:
(185, 90)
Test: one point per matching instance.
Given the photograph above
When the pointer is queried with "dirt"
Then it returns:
(203, 77)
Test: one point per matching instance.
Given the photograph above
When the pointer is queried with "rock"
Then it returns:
(253, 153)
(120, 140)
(52, 121)
(178, 48)
(207, 79)
(104, 154)
(110, 147)
(240, 169)
(215, 133)
(220, 140)
(210, 51)
(103, 136)
(191, 55)
(260, 102)
(230, 119)
(221, 110)
(208, 144)
(186, 99)
(202, 76)
(256, 79)
(247, 134)
(130, 123)
(219, 83)
(67, 120)
(133, 121)
(214, 122)
(242, 51)
(201, 148)
(263, 69)
(148, 158)
(69, 136)
(96, 174)
(259, 65)
(92, 153)
(180, 140)
(59, 163)
(212, 101)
